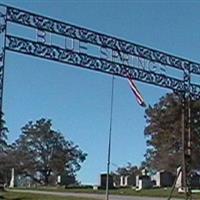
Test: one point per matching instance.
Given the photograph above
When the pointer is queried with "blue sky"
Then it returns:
(77, 100)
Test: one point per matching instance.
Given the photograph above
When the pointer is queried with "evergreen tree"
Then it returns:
(163, 133)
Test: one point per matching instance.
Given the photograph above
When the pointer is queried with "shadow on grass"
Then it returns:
(19, 199)
(2, 197)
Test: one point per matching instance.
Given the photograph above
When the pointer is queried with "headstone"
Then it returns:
(156, 179)
(128, 180)
(144, 172)
(179, 179)
(131, 181)
(95, 187)
(59, 179)
(121, 181)
(166, 179)
(124, 181)
(137, 181)
(103, 179)
(163, 179)
(12, 180)
(143, 182)
(195, 182)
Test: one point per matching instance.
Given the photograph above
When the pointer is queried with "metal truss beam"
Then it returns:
(66, 56)
(39, 22)
(83, 60)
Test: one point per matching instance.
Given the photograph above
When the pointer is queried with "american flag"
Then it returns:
(138, 96)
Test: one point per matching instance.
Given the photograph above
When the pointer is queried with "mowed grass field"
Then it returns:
(28, 196)
(123, 191)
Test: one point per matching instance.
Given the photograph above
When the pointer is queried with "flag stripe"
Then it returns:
(138, 96)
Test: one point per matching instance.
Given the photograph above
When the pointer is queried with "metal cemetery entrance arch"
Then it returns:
(114, 56)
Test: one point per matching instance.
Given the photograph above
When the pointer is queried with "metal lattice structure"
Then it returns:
(119, 63)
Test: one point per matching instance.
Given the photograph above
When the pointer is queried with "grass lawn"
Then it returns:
(24, 196)
(123, 191)
(161, 192)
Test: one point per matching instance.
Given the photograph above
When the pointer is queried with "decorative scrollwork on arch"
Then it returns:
(67, 56)
(85, 35)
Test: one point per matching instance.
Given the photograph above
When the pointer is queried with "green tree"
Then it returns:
(3, 148)
(3, 133)
(163, 133)
(128, 170)
(41, 152)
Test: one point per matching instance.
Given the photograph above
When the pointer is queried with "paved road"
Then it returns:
(86, 195)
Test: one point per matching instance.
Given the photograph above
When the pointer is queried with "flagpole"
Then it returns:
(109, 140)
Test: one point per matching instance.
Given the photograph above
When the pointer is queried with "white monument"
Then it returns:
(163, 179)
(179, 179)
(156, 177)
(123, 181)
(12, 180)
(59, 179)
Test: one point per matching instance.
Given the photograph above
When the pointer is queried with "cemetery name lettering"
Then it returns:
(115, 56)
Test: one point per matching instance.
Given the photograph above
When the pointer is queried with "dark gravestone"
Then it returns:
(103, 181)
(166, 179)
(195, 180)
(2, 188)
